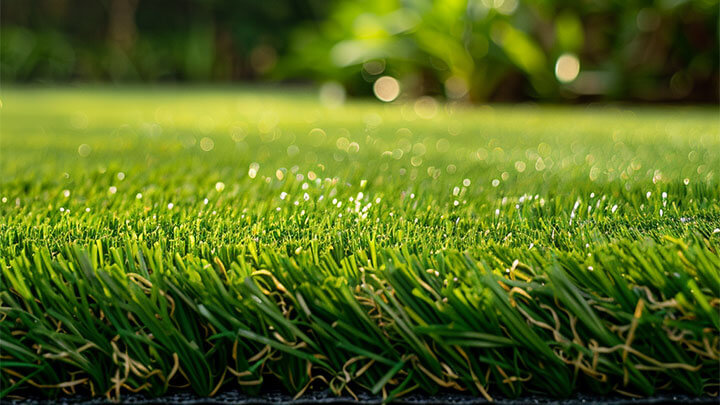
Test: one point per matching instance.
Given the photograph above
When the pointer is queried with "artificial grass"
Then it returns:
(157, 239)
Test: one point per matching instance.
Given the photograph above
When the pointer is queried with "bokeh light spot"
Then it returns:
(456, 87)
(567, 68)
(84, 150)
(386, 88)
(332, 94)
(374, 67)
(426, 107)
(207, 144)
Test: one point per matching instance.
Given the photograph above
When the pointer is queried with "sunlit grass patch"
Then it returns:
(218, 239)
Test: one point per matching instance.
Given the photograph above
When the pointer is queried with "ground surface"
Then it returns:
(160, 237)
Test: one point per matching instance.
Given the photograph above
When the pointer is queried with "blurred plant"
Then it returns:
(146, 41)
(497, 49)
(477, 50)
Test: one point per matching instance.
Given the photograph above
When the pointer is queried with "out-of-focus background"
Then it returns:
(472, 50)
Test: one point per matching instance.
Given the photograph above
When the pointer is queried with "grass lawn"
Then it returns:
(156, 239)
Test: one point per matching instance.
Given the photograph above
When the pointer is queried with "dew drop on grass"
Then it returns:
(253, 170)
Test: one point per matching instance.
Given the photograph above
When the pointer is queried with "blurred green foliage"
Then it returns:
(497, 49)
(478, 50)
